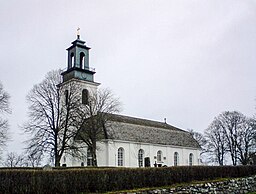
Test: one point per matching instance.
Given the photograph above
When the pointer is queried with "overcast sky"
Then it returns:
(186, 61)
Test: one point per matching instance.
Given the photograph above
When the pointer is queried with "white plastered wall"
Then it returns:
(79, 86)
(150, 150)
(107, 154)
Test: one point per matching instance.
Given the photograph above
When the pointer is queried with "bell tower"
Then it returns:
(79, 76)
(78, 62)
(78, 83)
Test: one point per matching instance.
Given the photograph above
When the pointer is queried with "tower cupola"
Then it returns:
(78, 62)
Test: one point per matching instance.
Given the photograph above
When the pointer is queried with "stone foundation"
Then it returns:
(234, 186)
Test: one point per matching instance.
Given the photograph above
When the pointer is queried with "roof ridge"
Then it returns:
(142, 121)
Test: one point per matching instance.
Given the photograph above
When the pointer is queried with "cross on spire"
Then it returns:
(78, 33)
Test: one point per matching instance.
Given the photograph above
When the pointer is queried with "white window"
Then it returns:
(159, 156)
(176, 159)
(140, 157)
(120, 157)
(190, 159)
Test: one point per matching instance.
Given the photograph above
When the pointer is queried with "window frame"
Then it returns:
(141, 157)
(85, 97)
(72, 60)
(82, 60)
(120, 156)
(89, 158)
(176, 159)
(66, 94)
(190, 159)
(159, 156)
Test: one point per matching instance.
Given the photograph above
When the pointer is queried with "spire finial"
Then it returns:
(78, 33)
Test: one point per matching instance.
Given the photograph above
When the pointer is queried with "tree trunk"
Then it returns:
(57, 160)
(94, 157)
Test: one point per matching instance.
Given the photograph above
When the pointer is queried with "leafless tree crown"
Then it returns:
(4, 108)
(234, 134)
(57, 113)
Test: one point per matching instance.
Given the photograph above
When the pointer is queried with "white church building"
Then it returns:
(134, 142)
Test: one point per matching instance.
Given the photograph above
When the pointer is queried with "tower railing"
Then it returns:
(85, 68)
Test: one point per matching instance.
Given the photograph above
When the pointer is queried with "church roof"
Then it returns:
(146, 131)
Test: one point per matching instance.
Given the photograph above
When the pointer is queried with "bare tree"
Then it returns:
(33, 159)
(200, 139)
(50, 120)
(57, 113)
(14, 160)
(4, 108)
(94, 119)
(233, 133)
(232, 124)
(216, 141)
(22, 160)
(246, 141)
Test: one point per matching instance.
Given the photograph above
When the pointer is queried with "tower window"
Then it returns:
(85, 97)
(72, 58)
(66, 97)
(82, 60)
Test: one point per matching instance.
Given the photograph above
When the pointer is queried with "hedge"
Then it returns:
(110, 179)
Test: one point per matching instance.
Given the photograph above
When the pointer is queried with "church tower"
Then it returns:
(78, 71)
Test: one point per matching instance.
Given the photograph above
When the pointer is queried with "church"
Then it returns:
(135, 142)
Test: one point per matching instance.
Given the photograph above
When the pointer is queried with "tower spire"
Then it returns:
(78, 61)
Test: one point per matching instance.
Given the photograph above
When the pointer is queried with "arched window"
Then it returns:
(141, 157)
(159, 156)
(120, 157)
(85, 96)
(176, 159)
(66, 97)
(82, 60)
(89, 158)
(72, 58)
(190, 159)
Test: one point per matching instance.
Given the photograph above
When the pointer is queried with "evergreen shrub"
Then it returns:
(88, 180)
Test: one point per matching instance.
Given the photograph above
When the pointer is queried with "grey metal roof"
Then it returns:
(146, 131)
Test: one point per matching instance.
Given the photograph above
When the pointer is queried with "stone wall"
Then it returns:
(234, 186)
